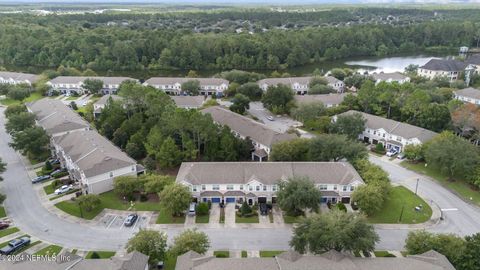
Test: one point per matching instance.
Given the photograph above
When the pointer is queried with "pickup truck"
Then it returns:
(14, 245)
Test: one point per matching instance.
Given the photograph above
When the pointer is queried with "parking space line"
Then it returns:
(136, 222)
(123, 223)
(115, 217)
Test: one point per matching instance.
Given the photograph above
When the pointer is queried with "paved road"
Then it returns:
(280, 124)
(24, 207)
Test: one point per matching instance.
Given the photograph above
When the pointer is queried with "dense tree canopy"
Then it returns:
(151, 243)
(297, 195)
(190, 240)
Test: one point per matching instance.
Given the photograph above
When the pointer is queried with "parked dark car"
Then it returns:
(14, 245)
(263, 209)
(58, 171)
(54, 161)
(4, 225)
(40, 178)
(130, 220)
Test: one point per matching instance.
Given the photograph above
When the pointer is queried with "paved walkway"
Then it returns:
(230, 215)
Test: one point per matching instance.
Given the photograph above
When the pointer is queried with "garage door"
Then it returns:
(230, 200)
(215, 200)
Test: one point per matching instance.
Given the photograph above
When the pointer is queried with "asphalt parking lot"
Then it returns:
(111, 221)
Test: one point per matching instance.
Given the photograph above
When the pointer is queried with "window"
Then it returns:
(334, 187)
(344, 188)
(229, 187)
(241, 187)
(215, 187)
(203, 187)
(352, 188)
(274, 188)
(264, 188)
(257, 188)
(323, 187)
(194, 188)
(250, 188)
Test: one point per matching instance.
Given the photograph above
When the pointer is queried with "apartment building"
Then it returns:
(173, 85)
(300, 85)
(390, 77)
(69, 85)
(470, 95)
(448, 68)
(17, 78)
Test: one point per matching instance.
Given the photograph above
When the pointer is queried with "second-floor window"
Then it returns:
(229, 187)
(264, 188)
(344, 188)
(352, 188)
(194, 188)
(257, 188)
(323, 187)
(204, 187)
(241, 187)
(215, 187)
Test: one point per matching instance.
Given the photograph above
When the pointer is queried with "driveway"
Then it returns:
(24, 207)
(280, 124)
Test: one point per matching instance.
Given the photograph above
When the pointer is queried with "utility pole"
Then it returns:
(416, 187)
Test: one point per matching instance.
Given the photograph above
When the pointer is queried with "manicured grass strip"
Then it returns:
(291, 219)
(8, 231)
(74, 251)
(202, 219)
(252, 219)
(71, 98)
(108, 200)
(269, 253)
(221, 254)
(383, 253)
(2, 212)
(18, 251)
(50, 250)
(165, 217)
(49, 189)
(101, 254)
(400, 197)
(170, 261)
(270, 216)
(244, 254)
(66, 193)
(460, 186)
(222, 215)
(6, 243)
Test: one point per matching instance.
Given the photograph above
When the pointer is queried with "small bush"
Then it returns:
(48, 166)
(379, 148)
(245, 209)
(55, 183)
(143, 197)
(60, 175)
(95, 255)
(342, 207)
(209, 204)
(202, 209)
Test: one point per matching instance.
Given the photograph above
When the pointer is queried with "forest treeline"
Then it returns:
(50, 42)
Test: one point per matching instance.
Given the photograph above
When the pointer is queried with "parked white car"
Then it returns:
(63, 189)
(392, 152)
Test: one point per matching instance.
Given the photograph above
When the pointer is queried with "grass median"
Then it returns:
(50, 250)
(101, 254)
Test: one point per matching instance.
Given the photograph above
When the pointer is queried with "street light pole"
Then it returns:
(416, 187)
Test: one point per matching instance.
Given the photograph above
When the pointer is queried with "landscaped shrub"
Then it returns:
(342, 207)
(55, 183)
(209, 204)
(143, 197)
(245, 209)
(48, 166)
(379, 148)
(95, 255)
(60, 175)
(202, 209)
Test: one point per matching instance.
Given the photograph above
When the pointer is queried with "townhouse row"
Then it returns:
(91, 159)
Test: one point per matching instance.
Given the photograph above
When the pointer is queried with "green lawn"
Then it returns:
(221, 254)
(461, 187)
(66, 193)
(33, 96)
(252, 219)
(49, 189)
(290, 219)
(270, 216)
(165, 217)
(222, 215)
(269, 253)
(102, 254)
(50, 250)
(202, 219)
(108, 200)
(402, 197)
(244, 254)
(71, 98)
(8, 231)
(383, 253)
(2, 212)
(170, 261)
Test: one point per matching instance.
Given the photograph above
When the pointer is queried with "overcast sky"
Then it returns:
(269, 2)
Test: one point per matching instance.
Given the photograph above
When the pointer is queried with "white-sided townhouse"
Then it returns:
(390, 77)
(474, 60)
(100, 104)
(17, 78)
(263, 138)
(449, 68)
(173, 85)
(470, 95)
(392, 134)
(329, 100)
(299, 85)
(251, 182)
(92, 160)
(69, 85)
(55, 117)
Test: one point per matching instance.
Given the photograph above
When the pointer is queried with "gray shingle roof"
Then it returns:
(247, 127)
(469, 92)
(56, 117)
(291, 80)
(32, 78)
(445, 65)
(474, 59)
(93, 153)
(268, 173)
(80, 79)
(188, 101)
(328, 261)
(395, 76)
(104, 99)
(180, 80)
(404, 130)
(327, 99)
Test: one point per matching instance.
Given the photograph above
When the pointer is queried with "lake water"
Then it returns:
(370, 64)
